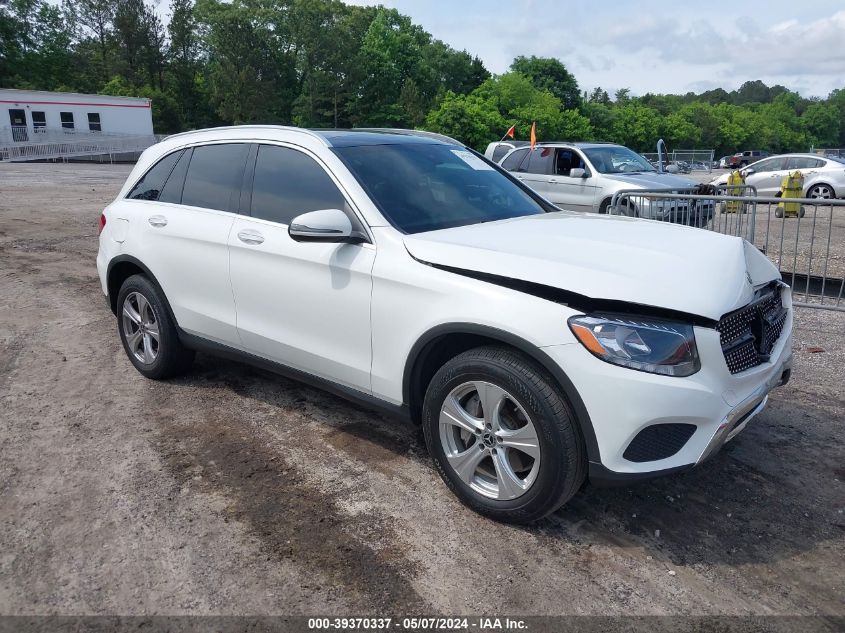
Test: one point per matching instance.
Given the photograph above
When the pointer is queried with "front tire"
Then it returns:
(502, 436)
(147, 331)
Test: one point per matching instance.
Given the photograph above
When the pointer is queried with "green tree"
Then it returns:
(549, 74)
(472, 119)
(636, 126)
(823, 122)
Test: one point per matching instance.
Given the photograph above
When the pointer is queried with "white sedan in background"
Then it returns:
(824, 177)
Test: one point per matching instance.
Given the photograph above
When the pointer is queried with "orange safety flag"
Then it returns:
(511, 131)
(533, 134)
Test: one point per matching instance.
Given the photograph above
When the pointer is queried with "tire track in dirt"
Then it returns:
(293, 519)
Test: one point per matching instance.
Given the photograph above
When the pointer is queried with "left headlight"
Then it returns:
(645, 344)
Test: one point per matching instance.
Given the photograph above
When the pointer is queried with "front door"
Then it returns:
(17, 118)
(575, 193)
(305, 305)
(767, 175)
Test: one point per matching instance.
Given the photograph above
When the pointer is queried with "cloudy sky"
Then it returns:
(666, 46)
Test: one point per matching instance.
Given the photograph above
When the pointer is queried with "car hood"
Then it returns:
(611, 258)
(652, 180)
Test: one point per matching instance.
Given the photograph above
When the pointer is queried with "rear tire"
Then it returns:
(502, 436)
(148, 332)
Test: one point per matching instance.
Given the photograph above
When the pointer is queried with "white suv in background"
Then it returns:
(585, 177)
(535, 346)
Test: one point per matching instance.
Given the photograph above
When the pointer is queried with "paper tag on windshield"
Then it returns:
(472, 160)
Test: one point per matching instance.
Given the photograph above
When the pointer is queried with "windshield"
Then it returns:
(615, 159)
(426, 187)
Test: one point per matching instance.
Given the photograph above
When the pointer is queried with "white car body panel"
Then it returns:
(606, 257)
(353, 313)
(304, 304)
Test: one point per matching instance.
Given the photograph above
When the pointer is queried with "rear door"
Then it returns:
(536, 170)
(185, 219)
(807, 165)
(303, 304)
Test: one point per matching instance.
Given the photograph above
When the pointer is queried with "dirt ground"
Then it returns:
(233, 491)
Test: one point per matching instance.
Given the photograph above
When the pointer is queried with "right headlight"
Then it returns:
(644, 344)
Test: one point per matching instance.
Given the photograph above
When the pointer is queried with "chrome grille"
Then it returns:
(748, 335)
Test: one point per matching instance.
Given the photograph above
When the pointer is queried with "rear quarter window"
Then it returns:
(150, 185)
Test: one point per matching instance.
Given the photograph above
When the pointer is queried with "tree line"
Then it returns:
(322, 63)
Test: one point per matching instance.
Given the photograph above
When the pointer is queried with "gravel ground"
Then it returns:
(233, 491)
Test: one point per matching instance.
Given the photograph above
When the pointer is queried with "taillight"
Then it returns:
(101, 224)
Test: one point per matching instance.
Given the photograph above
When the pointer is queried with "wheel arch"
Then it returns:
(120, 269)
(822, 183)
(443, 342)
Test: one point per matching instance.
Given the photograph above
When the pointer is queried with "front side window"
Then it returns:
(772, 164)
(567, 160)
(214, 176)
(67, 120)
(151, 183)
(615, 159)
(288, 183)
(426, 187)
(514, 159)
(94, 122)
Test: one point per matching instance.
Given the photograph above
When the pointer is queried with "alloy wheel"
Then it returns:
(140, 328)
(489, 440)
(821, 191)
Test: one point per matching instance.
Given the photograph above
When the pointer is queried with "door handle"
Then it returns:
(248, 236)
(157, 221)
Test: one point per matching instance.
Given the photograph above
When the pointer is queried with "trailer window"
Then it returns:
(39, 122)
(94, 122)
(67, 120)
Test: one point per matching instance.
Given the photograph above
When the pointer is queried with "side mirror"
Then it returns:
(326, 225)
(577, 172)
(747, 172)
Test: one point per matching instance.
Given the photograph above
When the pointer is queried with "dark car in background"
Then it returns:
(743, 159)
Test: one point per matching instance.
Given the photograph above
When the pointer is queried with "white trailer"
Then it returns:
(33, 116)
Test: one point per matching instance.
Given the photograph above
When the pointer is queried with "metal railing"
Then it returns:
(803, 237)
(687, 160)
(75, 146)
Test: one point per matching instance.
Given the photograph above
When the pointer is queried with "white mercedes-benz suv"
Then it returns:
(536, 347)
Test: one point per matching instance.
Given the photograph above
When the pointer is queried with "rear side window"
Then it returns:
(172, 191)
(214, 176)
(539, 161)
(151, 184)
(288, 183)
(513, 161)
(803, 162)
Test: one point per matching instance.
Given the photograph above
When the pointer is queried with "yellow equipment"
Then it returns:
(735, 182)
(792, 186)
